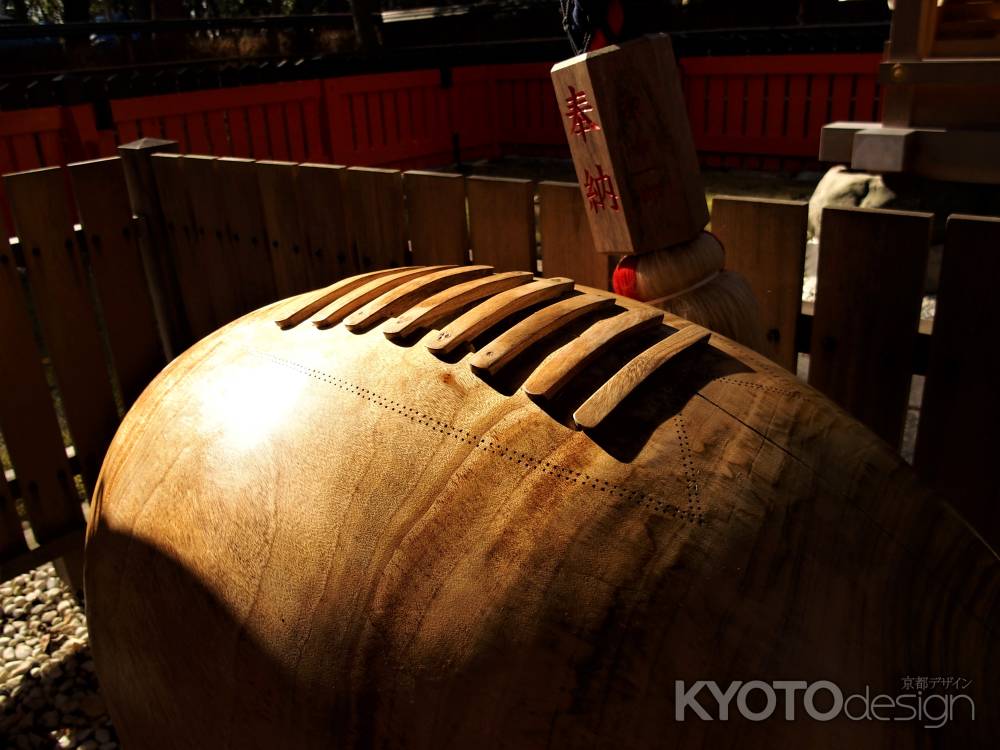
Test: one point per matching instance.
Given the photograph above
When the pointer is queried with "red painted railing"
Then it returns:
(763, 112)
(397, 119)
(755, 111)
(272, 121)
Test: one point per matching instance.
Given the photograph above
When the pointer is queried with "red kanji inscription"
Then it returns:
(600, 190)
(577, 108)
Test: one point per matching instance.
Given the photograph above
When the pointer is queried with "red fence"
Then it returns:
(273, 121)
(755, 111)
(401, 119)
(762, 112)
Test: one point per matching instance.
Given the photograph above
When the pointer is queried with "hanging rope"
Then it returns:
(592, 24)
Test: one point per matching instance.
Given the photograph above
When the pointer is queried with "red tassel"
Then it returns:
(623, 280)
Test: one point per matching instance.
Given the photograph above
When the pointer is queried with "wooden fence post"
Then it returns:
(954, 452)
(871, 272)
(435, 210)
(765, 242)
(502, 222)
(60, 291)
(31, 429)
(117, 267)
(153, 241)
(567, 244)
(289, 251)
(376, 219)
(247, 231)
(322, 200)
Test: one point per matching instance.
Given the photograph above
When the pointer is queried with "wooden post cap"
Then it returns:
(628, 131)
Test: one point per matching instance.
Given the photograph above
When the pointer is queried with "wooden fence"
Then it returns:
(82, 331)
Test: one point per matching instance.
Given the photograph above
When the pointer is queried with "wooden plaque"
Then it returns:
(628, 131)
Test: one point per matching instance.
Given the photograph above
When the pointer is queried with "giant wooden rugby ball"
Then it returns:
(448, 508)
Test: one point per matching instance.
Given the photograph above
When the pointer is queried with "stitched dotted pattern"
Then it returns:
(761, 387)
(692, 514)
(687, 461)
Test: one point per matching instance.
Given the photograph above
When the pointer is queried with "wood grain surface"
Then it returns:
(322, 200)
(502, 222)
(247, 231)
(208, 214)
(320, 538)
(288, 246)
(436, 217)
(567, 244)
(62, 298)
(347, 299)
(765, 242)
(376, 219)
(634, 373)
(534, 328)
(487, 314)
(154, 240)
(403, 297)
(565, 363)
(960, 399)
(634, 141)
(870, 285)
(28, 418)
(429, 311)
(184, 261)
(119, 276)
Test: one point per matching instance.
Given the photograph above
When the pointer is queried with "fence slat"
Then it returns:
(870, 286)
(315, 147)
(174, 128)
(765, 241)
(205, 194)
(502, 222)
(151, 127)
(69, 324)
(435, 208)
(258, 132)
(198, 134)
(954, 452)
(278, 137)
(567, 244)
(278, 195)
(246, 232)
(217, 134)
(735, 106)
(154, 241)
(116, 263)
(28, 417)
(12, 542)
(192, 280)
(239, 132)
(296, 139)
(376, 221)
(324, 223)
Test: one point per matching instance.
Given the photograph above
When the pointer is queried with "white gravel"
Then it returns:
(49, 697)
